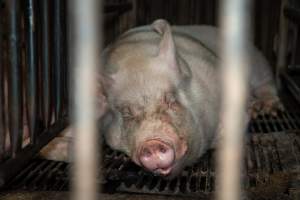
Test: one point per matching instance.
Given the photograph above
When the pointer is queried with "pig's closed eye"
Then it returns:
(126, 113)
(171, 101)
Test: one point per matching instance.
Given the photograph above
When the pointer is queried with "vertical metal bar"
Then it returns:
(14, 82)
(57, 52)
(45, 62)
(234, 16)
(85, 54)
(294, 44)
(31, 81)
(64, 69)
(282, 49)
(2, 129)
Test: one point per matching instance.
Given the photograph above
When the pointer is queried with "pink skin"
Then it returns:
(157, 156)
(159, 153)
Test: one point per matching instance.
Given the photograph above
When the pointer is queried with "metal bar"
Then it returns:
(45, 62)
(267, 125)
(85, 50)
(57, 53)
(11, 167)
(14, 79)
(2, 127)
(234, 20)
(64, 69)
(295, 42)
(282, 49)
(31, 75)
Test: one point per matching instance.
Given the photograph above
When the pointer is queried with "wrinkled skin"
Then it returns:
(164, 96)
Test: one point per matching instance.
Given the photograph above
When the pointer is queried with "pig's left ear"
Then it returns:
(166, 47)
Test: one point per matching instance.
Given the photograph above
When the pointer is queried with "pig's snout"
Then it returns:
(157, 156)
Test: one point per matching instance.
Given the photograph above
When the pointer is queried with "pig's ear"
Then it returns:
(166, 47)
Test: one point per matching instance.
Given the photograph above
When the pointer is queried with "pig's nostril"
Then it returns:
(157, 156)
(162, 149)
(146, 152)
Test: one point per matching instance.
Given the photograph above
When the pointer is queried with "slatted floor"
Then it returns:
(272, 149)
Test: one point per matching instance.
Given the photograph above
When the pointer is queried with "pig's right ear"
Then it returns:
(167, 48)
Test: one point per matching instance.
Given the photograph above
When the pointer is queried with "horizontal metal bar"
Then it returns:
(11, 167)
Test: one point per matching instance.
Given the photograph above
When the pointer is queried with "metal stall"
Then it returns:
(35, 71)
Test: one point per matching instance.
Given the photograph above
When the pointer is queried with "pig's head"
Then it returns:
(147, 116)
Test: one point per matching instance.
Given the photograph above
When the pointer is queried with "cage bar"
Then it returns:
(234, 20)
(85, 51)
(57, 53)
(45, 62)
(31, 73)
(2, 126)
(14, 79)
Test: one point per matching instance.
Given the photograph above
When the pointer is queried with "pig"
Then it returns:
(160, 94)
(163, 94)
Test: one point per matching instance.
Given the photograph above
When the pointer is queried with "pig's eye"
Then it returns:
(126, 113)
(170, 98)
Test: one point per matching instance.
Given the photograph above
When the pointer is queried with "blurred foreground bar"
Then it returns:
(234, 21)
(84, 47)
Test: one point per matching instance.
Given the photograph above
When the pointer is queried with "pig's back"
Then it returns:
(260, 70)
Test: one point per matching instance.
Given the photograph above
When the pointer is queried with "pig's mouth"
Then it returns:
(157, 156)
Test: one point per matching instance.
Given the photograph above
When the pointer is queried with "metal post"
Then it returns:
(14, 79)
(282, 49)
(85, 51)
(57, 53)
(2, 129)
(45, 62)
(234, 16)
(31, 75)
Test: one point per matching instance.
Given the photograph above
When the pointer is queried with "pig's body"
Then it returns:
(260, 77)
(145, 64)
(162, 94)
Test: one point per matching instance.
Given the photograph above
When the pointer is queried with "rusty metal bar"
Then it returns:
(14, 77)
(57, 53)
(85, 50)
(45, 61)
(234, 20)
(31, 75)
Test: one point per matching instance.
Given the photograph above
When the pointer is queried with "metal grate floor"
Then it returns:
(272, 163)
